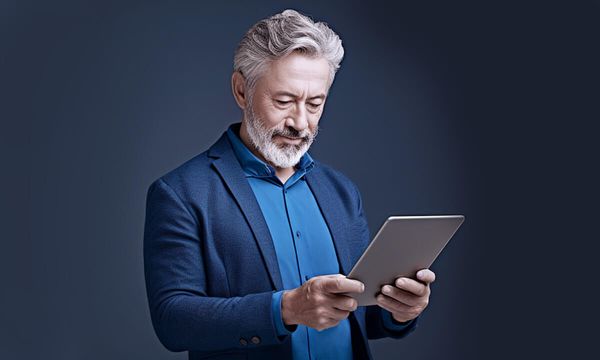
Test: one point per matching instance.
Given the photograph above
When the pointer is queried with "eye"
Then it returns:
(313, 106)
(283, 102)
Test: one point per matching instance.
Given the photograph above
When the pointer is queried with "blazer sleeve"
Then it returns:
(184, 317)
(377, 327)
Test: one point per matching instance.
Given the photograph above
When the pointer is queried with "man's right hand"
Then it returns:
(320, 302)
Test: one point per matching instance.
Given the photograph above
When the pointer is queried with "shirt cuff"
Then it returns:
(391, 324)
(281, 328)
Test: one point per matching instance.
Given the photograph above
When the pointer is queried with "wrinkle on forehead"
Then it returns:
(304, 76)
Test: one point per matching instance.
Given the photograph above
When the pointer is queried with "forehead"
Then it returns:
(297, 74)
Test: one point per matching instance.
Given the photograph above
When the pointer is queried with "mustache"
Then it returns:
(292, 133)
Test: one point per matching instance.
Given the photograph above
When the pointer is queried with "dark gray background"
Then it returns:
(446, 107)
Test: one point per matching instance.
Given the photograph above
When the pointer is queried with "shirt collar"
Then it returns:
(252, 165)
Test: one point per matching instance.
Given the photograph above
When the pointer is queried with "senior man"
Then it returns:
(246, 244)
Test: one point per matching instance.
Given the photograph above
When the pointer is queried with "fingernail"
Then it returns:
(385, 290)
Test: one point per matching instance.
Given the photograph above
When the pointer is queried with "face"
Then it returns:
(283, 113)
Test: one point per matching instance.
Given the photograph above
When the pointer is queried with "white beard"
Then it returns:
(281, 156)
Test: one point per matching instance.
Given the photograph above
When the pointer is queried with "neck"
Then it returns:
(282, 173)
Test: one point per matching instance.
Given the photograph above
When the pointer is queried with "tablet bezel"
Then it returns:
(366, 299)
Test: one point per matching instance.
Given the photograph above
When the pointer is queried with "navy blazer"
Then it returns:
(211, 267)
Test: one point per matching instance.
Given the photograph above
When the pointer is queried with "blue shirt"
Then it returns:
(303, 245)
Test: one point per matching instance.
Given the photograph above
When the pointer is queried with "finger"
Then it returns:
(412, 286)
(393, 306)
(402, 296)
(337, 314)
(425, 275)
(343, 302)
(341, 284)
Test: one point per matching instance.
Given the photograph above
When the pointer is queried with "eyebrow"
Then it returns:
(286, 93)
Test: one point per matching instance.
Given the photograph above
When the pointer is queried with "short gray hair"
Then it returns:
(278, 36)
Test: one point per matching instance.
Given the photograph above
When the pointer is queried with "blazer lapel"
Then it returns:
(230, 170)
(330, 208)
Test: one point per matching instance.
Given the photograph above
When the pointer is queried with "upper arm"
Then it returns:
(172, 251)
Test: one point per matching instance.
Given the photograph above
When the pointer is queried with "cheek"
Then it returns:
(314, 122)
(270, 116)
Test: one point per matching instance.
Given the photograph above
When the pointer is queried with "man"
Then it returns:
(246, 244)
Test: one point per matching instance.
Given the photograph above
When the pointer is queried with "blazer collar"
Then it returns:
(232, 174)
(331, 207)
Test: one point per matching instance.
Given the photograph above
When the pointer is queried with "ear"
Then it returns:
(238, 87)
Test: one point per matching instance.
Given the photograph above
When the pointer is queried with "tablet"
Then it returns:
(402, 246)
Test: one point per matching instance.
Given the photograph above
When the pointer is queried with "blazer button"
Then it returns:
(243, 341)
(255, 340)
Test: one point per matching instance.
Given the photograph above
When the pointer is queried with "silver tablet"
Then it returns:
(402, 246)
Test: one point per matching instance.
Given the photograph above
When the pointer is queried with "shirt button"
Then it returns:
(298, 233)
(243, 341)
(255, 340)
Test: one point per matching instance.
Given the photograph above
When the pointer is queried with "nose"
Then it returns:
(298, 119)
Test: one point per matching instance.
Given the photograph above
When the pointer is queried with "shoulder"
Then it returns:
(336, 178)
(342, 191)
(191, 176)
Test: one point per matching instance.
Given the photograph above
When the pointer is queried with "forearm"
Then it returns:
(198, 323)
(377, 329)
(392, 324)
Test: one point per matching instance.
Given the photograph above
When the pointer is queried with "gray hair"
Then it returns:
(278, 36)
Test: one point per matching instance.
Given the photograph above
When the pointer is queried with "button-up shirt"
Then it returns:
(303, 245)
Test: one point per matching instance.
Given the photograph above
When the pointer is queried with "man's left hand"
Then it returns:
(408, 298)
